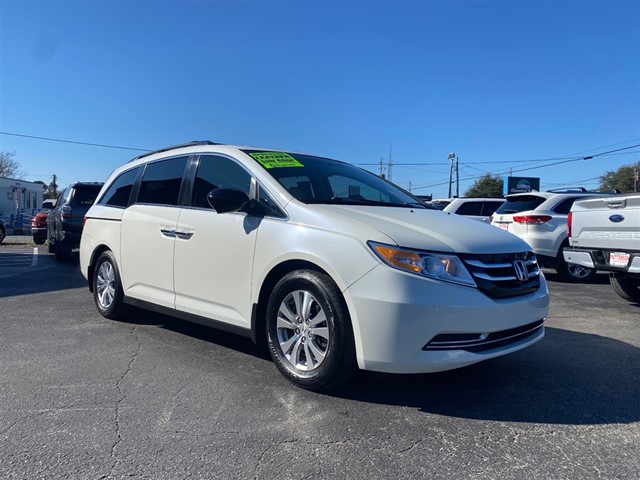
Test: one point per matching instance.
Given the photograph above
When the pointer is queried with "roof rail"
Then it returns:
(165, 149)
(568, 190)
(583, 190)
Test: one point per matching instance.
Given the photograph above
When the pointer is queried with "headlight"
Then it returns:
(445, 267)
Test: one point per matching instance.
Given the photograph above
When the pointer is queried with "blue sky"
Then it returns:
(495, 82)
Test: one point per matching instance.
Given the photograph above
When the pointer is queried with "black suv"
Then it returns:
(64, 223)
(3, 230)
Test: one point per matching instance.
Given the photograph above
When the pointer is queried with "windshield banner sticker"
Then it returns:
(275, 159)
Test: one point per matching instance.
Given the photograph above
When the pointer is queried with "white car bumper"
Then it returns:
(396, 314)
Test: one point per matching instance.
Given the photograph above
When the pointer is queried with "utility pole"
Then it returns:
(457, 179)
(54, 187)
(381, 174)
(390, 164)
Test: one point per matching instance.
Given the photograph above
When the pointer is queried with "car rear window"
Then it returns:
(520, 204)
(85, 194)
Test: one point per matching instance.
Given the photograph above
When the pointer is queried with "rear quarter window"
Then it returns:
(565, 206)
(118, 193)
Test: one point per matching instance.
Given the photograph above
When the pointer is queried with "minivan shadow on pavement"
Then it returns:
(23, 273)
(568, 378)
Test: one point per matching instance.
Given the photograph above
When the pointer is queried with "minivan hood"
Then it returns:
(431, 229)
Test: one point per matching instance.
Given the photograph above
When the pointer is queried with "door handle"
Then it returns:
(184, 235)
(168, 233)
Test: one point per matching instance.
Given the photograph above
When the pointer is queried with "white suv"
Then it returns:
(331, 266)
(479, 209)
(540, 218)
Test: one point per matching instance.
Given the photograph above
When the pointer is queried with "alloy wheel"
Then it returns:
(302, 331)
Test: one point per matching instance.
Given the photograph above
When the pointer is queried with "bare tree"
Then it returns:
(9, 167)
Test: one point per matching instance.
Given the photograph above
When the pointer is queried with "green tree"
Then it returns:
(623, 179)
(9, 167)
(486, 186)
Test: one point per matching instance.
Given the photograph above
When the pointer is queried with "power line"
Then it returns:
(533, 160)
(588, 157)
(74, 142)
(606, 146)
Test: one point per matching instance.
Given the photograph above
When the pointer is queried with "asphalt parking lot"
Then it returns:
(86, 398)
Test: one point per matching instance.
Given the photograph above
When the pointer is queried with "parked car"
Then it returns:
(604, 233)
(39, 226)
(540, 218)
(48, 203)
(3, 230)
(329, 265)
(65, 220)
(479, 209)
(439, 203)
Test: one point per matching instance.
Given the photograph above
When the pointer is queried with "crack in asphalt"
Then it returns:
(132, 359)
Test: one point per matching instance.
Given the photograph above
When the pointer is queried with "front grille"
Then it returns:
(497, 274)
(481, 342)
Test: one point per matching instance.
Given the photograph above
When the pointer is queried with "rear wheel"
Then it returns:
(3, 234)
(570, 272)
(107, 288)
(309, 331)
(62, 253)
(625, 286)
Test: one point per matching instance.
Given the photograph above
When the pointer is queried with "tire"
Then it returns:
(570, 272)
(107, 288)
(62, 253)
(314, 350)
(51, 247)
(625, 286)
(39, 241)
(3, 234)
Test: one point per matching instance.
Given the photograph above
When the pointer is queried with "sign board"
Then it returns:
(520, 185)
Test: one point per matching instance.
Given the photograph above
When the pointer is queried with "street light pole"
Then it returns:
(450, 157)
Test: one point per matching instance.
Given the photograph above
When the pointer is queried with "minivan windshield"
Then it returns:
(314, 180)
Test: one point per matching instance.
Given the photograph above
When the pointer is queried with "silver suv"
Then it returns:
(540, 218)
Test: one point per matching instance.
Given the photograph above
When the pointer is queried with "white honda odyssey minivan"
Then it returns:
(330, 265)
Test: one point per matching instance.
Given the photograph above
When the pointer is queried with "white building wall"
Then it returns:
(19, 202)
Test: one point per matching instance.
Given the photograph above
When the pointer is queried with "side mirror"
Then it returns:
(225, 200)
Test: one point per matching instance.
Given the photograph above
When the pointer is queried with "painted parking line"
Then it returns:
(16, 257)
(14, 261)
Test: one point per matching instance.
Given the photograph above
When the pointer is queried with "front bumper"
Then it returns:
(39, 232)
(396, 316)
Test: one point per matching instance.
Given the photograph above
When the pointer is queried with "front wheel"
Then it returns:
(625, 286)
(309, 331)
(107, 288)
